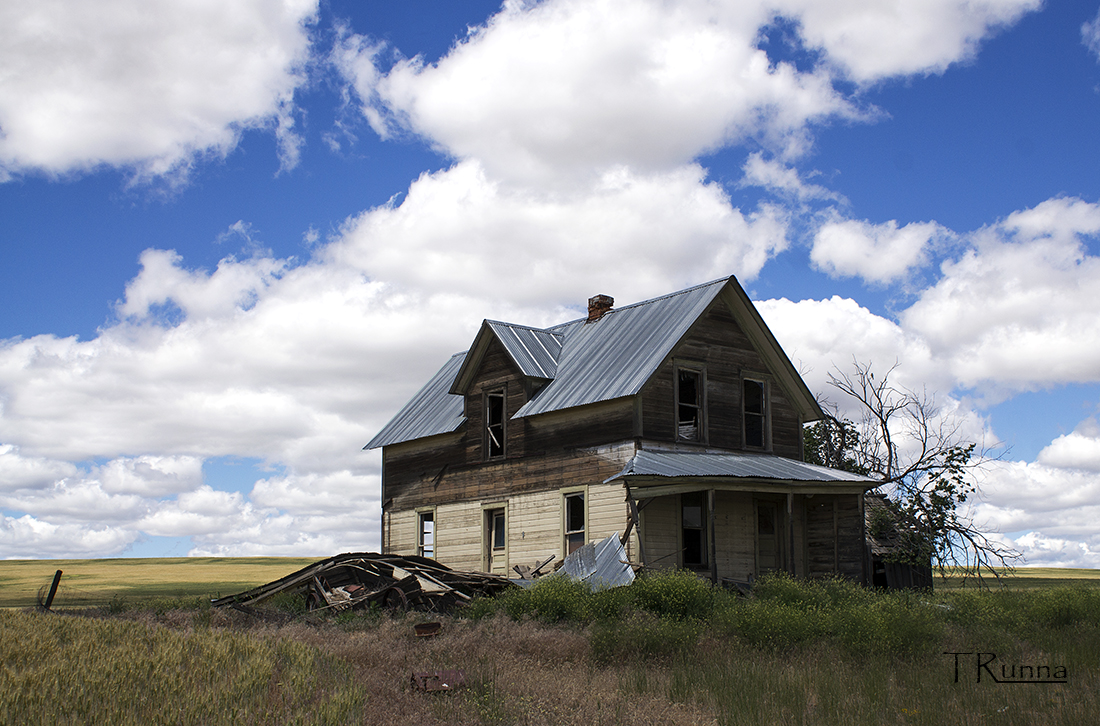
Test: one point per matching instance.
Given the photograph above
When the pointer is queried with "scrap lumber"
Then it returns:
(356, 580)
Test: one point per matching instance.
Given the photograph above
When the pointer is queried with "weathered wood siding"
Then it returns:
(596, 424)
(532, 492)
(834, 536)
(422, 486)
(400, 530)
(719, 343)
(496, 372)
(735, 529)
(661, 531)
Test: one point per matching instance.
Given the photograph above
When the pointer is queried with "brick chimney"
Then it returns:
(599, 305)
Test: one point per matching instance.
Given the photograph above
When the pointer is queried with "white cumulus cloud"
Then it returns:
(1017, 310)
(145, 86)
(1079, 449)
(878, 253)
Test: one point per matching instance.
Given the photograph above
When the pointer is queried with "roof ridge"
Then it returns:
(525, 327)
(552, 329)
(666, 296)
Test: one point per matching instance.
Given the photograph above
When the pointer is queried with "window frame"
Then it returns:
(421, 548)
(488, 529)
(566, 495)
(704, 549)
(700, 372)
(487, 433)
(764, 415)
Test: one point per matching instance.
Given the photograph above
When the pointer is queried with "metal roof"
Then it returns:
(431, 411)
(736, 466)
(615, 355)
(535, 351)
(585, 362)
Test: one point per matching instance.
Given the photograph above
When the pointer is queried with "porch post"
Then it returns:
(710, 537)
(635, 522)
(790, 533)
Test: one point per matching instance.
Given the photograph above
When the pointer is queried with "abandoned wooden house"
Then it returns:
(675, 422)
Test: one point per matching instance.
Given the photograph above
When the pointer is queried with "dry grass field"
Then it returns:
(1022, 578)
(667, 650)
(94, 583)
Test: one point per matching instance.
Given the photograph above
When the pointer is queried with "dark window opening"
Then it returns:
(693, 509)
(755, 413)
(494, 425)
(426, 538)
(574, 522)
(767, 539)
(689, 405)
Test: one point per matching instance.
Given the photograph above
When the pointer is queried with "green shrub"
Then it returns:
(551, 600)
(786, 613)
(675, 594)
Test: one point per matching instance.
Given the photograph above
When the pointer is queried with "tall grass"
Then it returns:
(670, 649)
(62, 670)
(831, 652)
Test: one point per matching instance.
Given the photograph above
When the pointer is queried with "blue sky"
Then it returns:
(235, 242)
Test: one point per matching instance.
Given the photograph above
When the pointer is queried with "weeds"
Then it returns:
(670, 649)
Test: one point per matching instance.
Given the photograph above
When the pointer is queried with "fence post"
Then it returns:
(53, 590)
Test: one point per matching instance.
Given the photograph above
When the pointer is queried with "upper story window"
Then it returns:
(690, 413)
(494, 424)
(754, 411)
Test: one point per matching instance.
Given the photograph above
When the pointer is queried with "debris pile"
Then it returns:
(358, 579)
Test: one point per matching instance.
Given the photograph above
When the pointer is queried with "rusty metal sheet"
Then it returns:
(447, 680)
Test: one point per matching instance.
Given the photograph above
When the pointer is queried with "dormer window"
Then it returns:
(690, 413)
(754, 412)
(494, 424)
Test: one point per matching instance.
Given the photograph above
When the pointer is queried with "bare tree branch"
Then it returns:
(926, 466)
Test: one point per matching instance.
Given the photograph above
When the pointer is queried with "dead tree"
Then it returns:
(927, 468)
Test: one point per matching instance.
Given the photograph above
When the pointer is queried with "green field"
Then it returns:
(91, 583)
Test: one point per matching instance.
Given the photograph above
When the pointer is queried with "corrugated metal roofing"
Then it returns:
(535, 351)
(614, 356)
(600, 564)
(737, 466)
(431, 411)
(584, 362)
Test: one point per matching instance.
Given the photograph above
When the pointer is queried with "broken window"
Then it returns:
(754, 407)
(426, 538)
(689, 404)
(693, 511)
(494, 424)
(574, 522)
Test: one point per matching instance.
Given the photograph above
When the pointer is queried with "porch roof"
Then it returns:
(734, 471)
